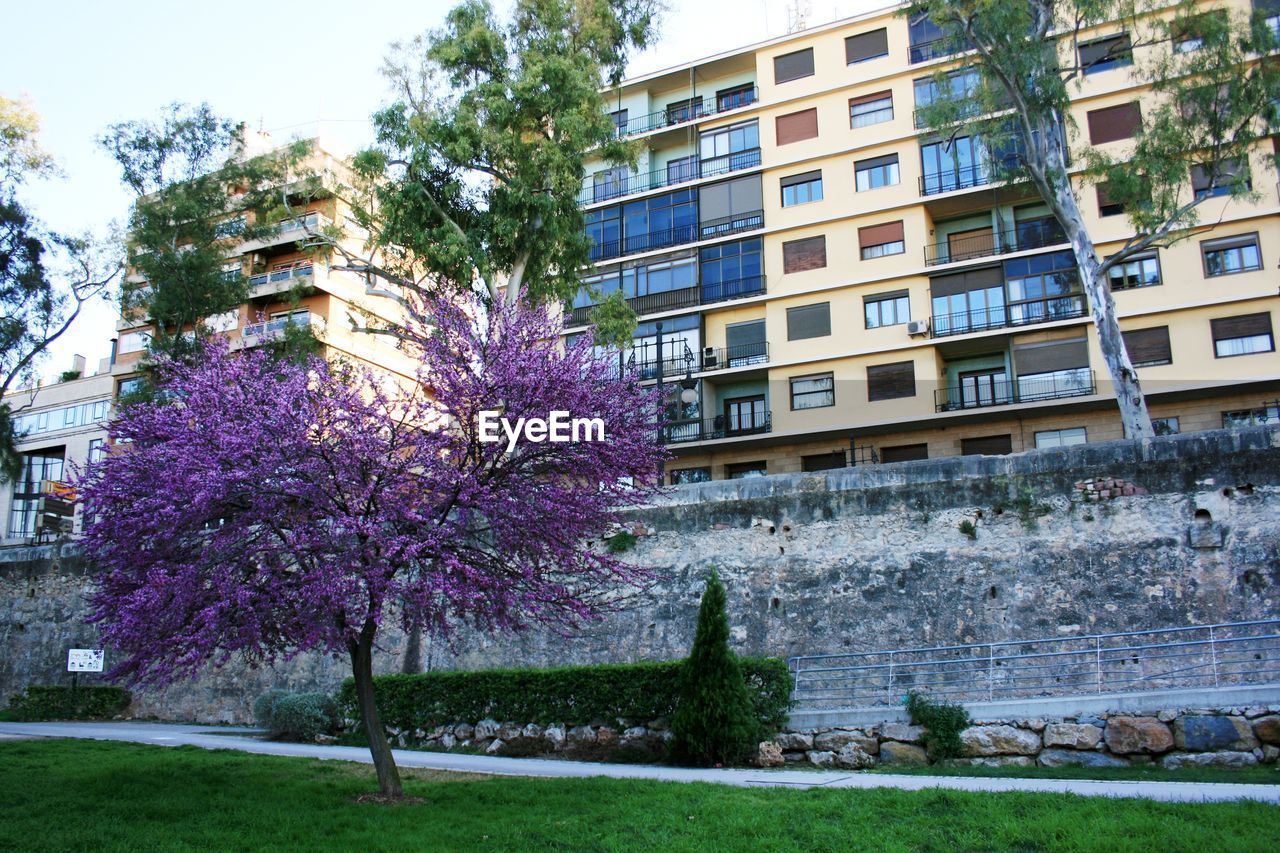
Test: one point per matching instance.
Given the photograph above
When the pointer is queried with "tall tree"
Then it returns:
(266, 508)
(46, 278)
(1214, 88)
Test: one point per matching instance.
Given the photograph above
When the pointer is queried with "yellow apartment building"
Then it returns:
(819, 283)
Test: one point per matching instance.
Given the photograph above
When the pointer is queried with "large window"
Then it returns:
(926, 39)
(876, 172)
(728, 149)
(1061, 437)
(663, 220)
(954, 164)
(891, 381)
(1106, 53)
(730, 207)
(745, 343)
(796, 127)
(887, 309)
(876, 241)
(34, 423)
(744, 415)
(802, 188)
(1053, 369)
(684, 476)
(969, 301)
(809, 253)
(1244, 334)
(959, 86)
(730, 270)
(871, 109)
(37, 466)
(604, 229)
(735, 96)
(1140, 271)
(1148, 347)
(1230, 255)
(865, 46)
(809, 321)
(793, 66)
(1043, 288)
(1214, 179)
(813, 392)
(1261, 416)
(681, 344)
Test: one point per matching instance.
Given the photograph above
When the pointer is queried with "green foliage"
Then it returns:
(56, 702)
(574, 695)
(943, 722)
(68, 375)
(713, 722)
(302, 716)
(968, 528)
(613, 321)
(265, 704)
(621, 542)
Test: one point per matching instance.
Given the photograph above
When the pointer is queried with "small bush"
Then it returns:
(621, 542)
(48, 702)
(943, 722)
(264, 706)
(302, 716)
(968, 528)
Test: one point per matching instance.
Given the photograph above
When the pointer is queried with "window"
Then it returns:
(871, 109)
(809, 321)
(1114, 123)
(1060, 437)
(1269, 414)
(801, 189)
(904, 453)
(734, 97)
(746, 343)
(604, 230)
(813, 392)
(619, 120)
(955, 164)
(1245, 334)
(659, 221)
(1106, 53)
(1107, 206)
(926, 39)
(1139, 271)
(796, 127)
(865, 46)
(1188, 34)
(684, 110)
(683, 476)
(133, 342)
(1164, 426)
(1042, 288)
(891, 381)
(1214, 179)
(745, 415)
(745, 470)
(730, 270)
(1230, 255)
(682, 169)
(793, 66)
(609, 183)
(876, 172)
(37, 466)
(1148, 347)
(1054, 369)
(876, 241)
(886, 309)
(987, 445)
(728, 149)
(730, 207)
(968, 301)
(959, 86)
(824, 461)
(661, 275)
(807, 254)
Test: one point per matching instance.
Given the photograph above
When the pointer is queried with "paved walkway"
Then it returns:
(216, 737)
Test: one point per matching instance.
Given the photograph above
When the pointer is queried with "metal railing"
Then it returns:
(678, 235)
(955, 179)
(923, 51)
(1029, 235)
(684, 297)
(707, 429)
(1005, 316)
(1004, 392)
(673, 174)
(277, 276)
(676, 364)
(683, 114)
(741, 355)
(1221, 655)
(279, 324)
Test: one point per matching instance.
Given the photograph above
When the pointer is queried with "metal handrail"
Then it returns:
(740, 355)
(963, 178)
(923, 51)
(684, 297)
(691, 233)
(1029, 235)
(1077, 383)
(708, 429)
(672, 118)
(668, 176)
(1029, 313)
(1198, 655)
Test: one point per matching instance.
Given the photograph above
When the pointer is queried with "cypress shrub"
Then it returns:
(714, 722)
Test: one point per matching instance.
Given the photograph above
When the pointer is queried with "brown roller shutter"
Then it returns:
(793, 66)
(874, 96)
(1148, 346)
(904, 453)
(807, 254)
(891, 381)
(795, 127)
(875, 235)
(1112, 123)
(1046, 358)
(987, 445)
(949, 285)
(1241, 326)
(809, 321)
(866, 46)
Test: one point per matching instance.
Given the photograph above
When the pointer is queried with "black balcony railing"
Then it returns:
(685, 297)
(1031, 235)
(1004, 316)
(686, 113)
(1028, 389)
(677, 363)
(720, 426)
(955, 179)
(923, 51)
(741, 355)
(738, 288)
(690, 233)
(673, 174)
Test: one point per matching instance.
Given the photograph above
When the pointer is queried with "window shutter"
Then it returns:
(1046, 358)
(807, 254)
(963, 282)
(987, 445)
(741, 336)
(793, 66)
(865, 46)
(809, 321)
(1106, 49)
(803, 178)
(1225, 173)
(904, 453)
(795, 127)
(1112, 123)
(1241, 326)
(1148, 346)
(730, 198)
(823, 461)
(874, 96)
(891, 381)
(875, 163)
(875, 235)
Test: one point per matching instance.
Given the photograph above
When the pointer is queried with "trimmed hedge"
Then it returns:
(49, 702)
(573, 695)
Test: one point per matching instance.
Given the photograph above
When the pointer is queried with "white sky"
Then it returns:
(290, 67)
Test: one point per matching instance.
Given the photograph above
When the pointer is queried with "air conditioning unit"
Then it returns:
(917, 327)
(709, 358)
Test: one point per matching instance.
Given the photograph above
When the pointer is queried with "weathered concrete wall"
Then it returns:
(857, 559)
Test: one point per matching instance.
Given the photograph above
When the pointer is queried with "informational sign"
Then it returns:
(84, 660)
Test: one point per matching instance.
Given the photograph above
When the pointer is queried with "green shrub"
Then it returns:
(302, 716)
(968, 528)
(48, 702)
(714, 722)
(574, 695)
(943, 722)
(265, 704)
(621, 542)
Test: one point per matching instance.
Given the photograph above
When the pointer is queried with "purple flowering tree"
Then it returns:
(261, 508)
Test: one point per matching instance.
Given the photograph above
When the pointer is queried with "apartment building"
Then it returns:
(820, 283)
(288, 286)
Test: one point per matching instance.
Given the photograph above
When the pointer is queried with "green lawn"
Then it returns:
(1261, 774)
(105, 796)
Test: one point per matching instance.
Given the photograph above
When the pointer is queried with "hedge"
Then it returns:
(90, 702)
(573, 695)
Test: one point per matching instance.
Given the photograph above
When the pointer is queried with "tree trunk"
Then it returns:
(383, 761)
(412, 662)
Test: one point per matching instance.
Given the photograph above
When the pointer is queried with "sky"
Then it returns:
(296, 69)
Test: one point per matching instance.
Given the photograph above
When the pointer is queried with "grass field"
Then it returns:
(59, 795)
(1261, 774)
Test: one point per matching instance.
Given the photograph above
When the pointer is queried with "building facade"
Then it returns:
(820, 283)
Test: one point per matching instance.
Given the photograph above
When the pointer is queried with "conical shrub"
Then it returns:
(714, 721)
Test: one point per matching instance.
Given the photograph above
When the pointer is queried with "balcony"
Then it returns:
(670, 175)
(1009, 316)
(1031, 389)
(277, 281)
(1030, 235)
(685, 297)
(674, 366)
(923, 51)
(685, 114)
(681, 234)
(709, 429)
(955, 179)
(287, 231)
(256, 334)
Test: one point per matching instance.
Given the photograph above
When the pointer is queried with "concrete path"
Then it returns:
(216, 737)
